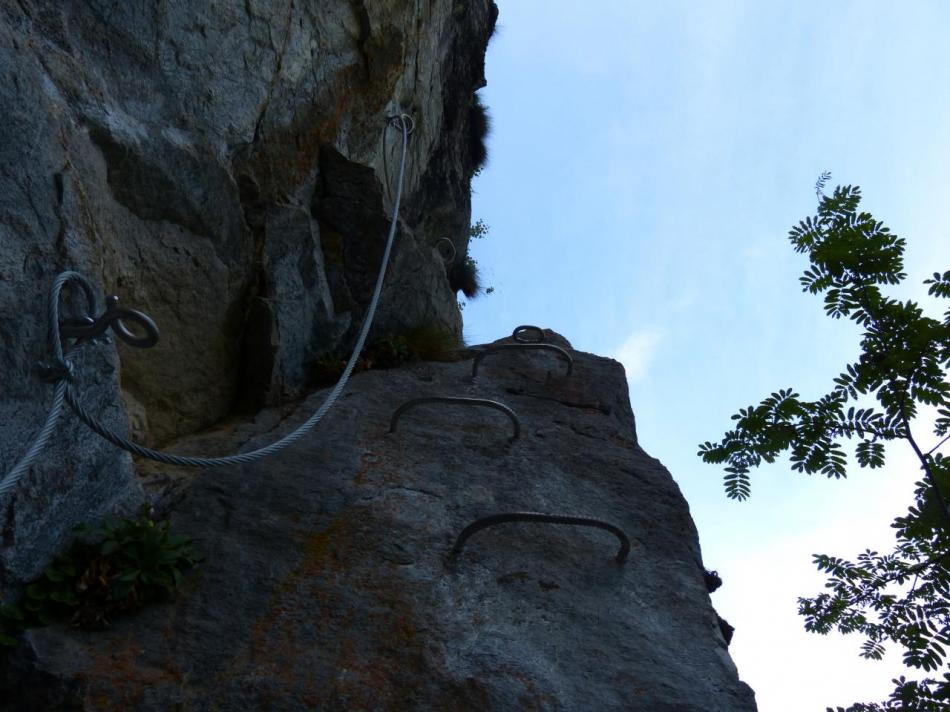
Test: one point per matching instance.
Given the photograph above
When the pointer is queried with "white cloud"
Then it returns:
(637, 352)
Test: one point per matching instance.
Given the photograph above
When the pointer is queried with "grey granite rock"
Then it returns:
(328, 583)
(175, 154)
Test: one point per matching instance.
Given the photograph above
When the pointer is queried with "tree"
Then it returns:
(902, 597)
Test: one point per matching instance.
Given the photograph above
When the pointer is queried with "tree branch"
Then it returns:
(925, 466)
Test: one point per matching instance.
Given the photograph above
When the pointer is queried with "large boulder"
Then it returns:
(328, 583)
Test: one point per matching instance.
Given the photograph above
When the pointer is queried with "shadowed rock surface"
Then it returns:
(220, 165)
(327, 584)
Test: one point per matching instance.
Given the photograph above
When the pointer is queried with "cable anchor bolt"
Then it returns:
(113, 318)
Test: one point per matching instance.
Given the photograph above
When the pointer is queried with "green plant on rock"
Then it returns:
(387, 352)
(116, 567)
(431, 342)
(426, 342)
(464, 277)
(478, 230)
(479, 127)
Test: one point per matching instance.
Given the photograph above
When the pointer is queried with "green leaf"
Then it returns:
(121, 589)
(7, 641)
(130, 575)
(36, 591)
(11, 612)
(108, 547)
(54, 575)
(65, 597)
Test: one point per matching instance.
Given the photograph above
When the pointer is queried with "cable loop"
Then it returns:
(403, 121)
(493, 519)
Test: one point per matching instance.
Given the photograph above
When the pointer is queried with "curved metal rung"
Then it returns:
(461, 401)
(519, 330)
(448, 260)
(524, 347)
(112, 318)
(493, 519)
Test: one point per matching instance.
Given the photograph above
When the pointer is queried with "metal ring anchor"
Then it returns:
(447, 260)
(493, 519)
(461, 401)
(518, 334)
(88, 328)
(403, 120)
(524, 347)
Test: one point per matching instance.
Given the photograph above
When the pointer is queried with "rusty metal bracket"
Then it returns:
(460, 401)
(523, 347)
(493, 519)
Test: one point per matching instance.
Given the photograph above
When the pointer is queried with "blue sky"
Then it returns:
(646, 163)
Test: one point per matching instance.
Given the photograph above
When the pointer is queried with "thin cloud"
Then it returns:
(637, 352)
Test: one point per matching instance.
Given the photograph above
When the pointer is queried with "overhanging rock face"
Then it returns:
(221, 166)
(328, 583)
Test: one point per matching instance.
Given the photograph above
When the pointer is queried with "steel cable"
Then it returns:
(63, 390)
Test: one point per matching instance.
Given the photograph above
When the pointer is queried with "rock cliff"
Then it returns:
(224, 166)
(329, 583)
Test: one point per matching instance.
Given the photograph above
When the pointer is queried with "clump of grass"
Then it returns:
(426, 342)
(479, 126)
(328, 369)
(464, 276)
(431, 342)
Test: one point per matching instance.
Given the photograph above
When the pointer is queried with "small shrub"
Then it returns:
(387, 352)
(464, 277)
(478, 230)
(328, 369)
(479, 126)
(120, 567)
(430, 342)
(426, 342)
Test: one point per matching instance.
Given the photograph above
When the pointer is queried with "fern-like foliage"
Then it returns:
(903, 597)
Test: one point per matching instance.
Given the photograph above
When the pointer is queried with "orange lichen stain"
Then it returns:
(118, 679)
(377, 671)
(374, 471)
(274, 649)
(329, 618)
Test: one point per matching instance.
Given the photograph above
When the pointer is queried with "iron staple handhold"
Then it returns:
(505, 517)
(460, 401)
(517, 334)
(523, 347)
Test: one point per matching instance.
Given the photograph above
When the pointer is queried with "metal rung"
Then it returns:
(518, 334)
(523, 347)
(493, 519)
(460, 401)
